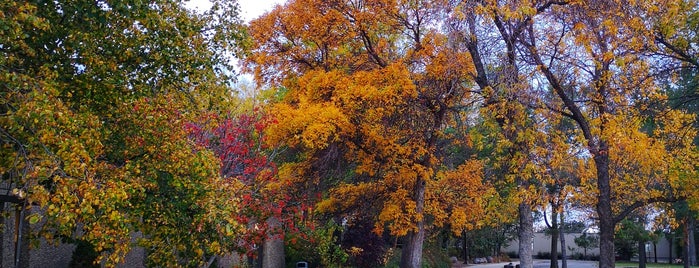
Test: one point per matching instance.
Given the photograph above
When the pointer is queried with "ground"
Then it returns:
(537, 264)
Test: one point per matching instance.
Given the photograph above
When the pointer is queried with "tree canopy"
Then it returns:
(409, 119)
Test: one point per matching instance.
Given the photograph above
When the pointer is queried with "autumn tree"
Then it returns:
(590, 56)
(561, 162)
(607, 104)
(371, 87)
(266, 209)
(676, 42)
(489, 31)
(95, 95)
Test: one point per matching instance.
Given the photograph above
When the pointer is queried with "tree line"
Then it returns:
(376, 124)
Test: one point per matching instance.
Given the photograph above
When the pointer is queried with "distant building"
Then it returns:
(542, 243)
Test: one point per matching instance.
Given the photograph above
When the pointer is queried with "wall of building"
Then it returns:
(542, 243)
(47, 255)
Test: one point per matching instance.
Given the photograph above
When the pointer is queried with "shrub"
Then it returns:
(545, 255)
(513, 254)
(84, 255)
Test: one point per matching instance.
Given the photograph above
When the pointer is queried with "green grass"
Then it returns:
(649, 265)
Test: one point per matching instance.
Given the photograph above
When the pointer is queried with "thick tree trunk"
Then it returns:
(604, 208)
(411, 255)
(606, 243)
(273, 248)
(692, 244)
(641, 254)
(690, 252)
(465, 245)
(2, 231)
(685, 246)
(562, 235)
(526, 235)
(554, 238)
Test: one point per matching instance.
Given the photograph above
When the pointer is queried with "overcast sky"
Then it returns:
(254, 8)
(250, 9)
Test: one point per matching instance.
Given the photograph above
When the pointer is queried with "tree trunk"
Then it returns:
(655, 251)
(562, 235)
(525, 234)
(606, 241)
(273, 248)
(641, 254)
(554, 237)
(669, 248)
(604, 208)
(411, 255)
(21, 241)
(692, 244)
(2, 231)
(685, 250)
(465, 245)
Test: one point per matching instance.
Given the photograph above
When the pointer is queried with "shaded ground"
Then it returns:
(537, 264)
(624, 264)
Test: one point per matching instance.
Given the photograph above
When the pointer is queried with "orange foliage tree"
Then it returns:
(370, 87)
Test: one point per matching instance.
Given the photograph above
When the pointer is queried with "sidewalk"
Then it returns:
(537, 264)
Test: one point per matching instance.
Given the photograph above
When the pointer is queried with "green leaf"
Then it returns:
(34, 219)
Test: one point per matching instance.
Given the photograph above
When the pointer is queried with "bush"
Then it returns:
(366, 249)
(577, 256)
(433, 256)
(455, 251)
(318, 247)
(505, 257)
(545, 255)
(84, 255)
(513, 254)
(580, 256)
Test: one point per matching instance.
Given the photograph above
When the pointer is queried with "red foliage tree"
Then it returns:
(238, 141)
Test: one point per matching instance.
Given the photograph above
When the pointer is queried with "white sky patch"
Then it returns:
(249, 9)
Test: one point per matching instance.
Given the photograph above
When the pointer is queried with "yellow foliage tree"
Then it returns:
(586, 61)
(370, 88)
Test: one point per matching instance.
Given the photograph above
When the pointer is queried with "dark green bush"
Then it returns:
(84, 255)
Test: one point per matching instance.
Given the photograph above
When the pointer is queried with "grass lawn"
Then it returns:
(648, 265)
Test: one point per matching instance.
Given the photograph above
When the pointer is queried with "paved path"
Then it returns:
(537, 264)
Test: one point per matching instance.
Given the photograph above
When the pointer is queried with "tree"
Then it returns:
(589, 57)
(628, 236)
(586, 242)
(371, 86)
(238, 142)
(94, 99)
(489, 31)
(561, 179)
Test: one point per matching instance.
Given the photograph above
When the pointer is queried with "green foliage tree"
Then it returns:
(586, 242)
(94, 95)
(627, 237)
